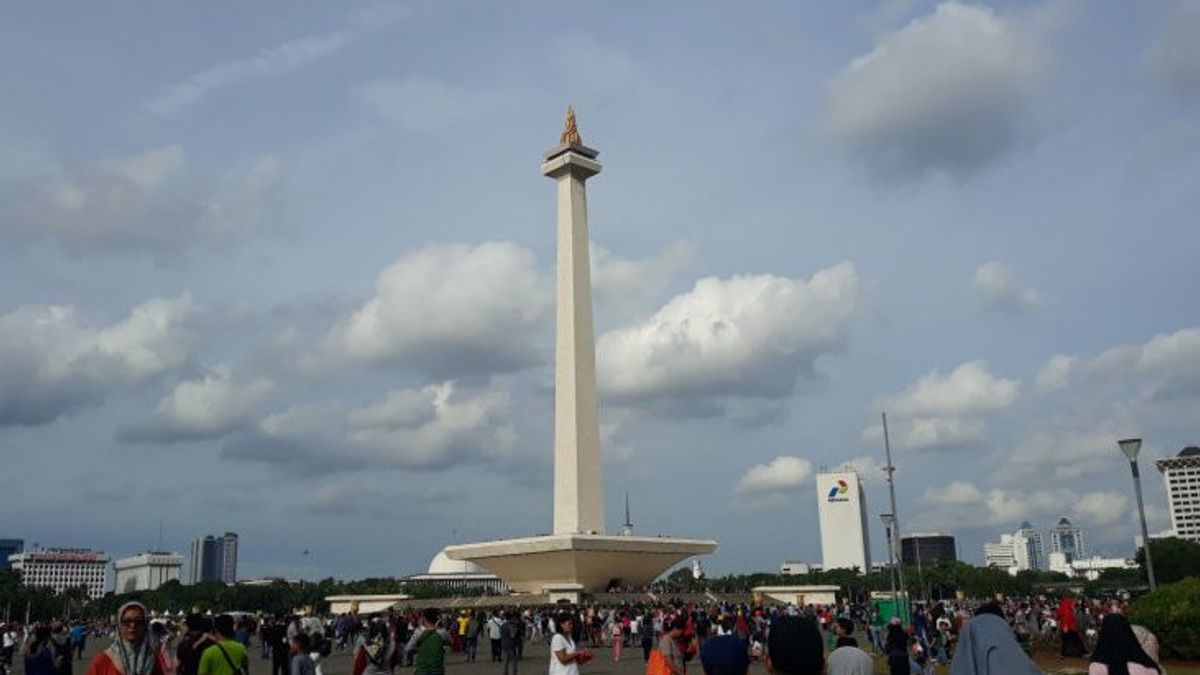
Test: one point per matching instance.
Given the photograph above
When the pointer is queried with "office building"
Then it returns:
(1181, 474)
(927, 549)
(842, 515)
(1021, 550)
(146, 571)
(63, 568)
(9, 547)
(214, 559)
(1067, 539)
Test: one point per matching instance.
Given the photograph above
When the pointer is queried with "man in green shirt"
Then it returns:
(429, 644)
(227, 656)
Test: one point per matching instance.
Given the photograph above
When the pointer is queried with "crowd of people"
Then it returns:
(993, 638)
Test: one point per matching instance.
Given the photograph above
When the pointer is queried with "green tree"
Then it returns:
(1174, 559)
(1172, 613)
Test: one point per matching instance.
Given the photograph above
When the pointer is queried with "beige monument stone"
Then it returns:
(579, 556)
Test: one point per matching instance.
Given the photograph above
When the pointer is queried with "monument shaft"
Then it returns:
(578, 476)
(579, 557)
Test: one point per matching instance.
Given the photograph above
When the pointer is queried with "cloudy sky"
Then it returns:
(287, 269)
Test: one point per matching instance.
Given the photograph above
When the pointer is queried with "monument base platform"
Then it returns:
(588, 562)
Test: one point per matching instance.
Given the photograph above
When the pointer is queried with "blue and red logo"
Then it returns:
(837, 493)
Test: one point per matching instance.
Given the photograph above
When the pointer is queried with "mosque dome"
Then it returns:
(442, 564)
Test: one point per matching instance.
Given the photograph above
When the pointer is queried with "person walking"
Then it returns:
(847, 658)
(302, 663)
(494, 624)
(646, 632)
(375, 651)
(39, 652)
(78, 638)
(510, 642)
(1068, 630)
(131, 651)
(429, 644)
(226, 656)
(616, 631)
(565, 657)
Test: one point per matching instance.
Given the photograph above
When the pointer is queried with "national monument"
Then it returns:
(579, 557)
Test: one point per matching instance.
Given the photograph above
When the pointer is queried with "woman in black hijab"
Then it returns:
(1118, 651)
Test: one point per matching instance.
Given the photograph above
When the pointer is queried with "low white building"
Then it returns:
(796, 568)
(146, 571)
(1088, 568)
(363, 604)
(63, 568)
(457, 575)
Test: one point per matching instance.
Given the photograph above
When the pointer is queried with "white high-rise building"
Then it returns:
(63, 568)
(1022, 550)
(1181, 474)
(146, 571)
(842, 513)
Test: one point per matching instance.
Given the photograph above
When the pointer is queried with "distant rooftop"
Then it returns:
(1187, 458)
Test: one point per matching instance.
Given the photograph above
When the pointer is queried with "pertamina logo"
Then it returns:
(838, 492)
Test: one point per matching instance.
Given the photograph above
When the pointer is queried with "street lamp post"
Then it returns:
(1131, 447)
(888, 520)
(890, 470)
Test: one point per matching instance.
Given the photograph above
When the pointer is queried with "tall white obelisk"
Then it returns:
(578, 476)
(579, 557)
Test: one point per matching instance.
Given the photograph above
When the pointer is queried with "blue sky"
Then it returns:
(288, 270)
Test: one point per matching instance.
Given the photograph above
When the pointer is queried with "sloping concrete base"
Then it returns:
(536, 564)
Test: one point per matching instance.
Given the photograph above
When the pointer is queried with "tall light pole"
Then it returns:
(889, 470)
(889, 519)
(1131, 447)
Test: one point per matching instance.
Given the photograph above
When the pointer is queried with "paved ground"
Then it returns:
(537, 659)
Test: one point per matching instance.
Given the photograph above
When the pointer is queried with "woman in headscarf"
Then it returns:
(131, 652)
(986, 646)
(1068, 629)
(1118, 651)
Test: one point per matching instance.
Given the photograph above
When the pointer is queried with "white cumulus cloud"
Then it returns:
(951, 91)
(782, 473)
(1000, 290)
(53, 361)
(946, 410)
(427, 429)
(957, 493)
(451, 310)
(208, 406)
(742, 337)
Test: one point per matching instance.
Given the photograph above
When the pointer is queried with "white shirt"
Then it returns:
(850, 661)
(559, 643)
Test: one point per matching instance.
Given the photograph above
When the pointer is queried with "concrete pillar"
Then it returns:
(578, 479)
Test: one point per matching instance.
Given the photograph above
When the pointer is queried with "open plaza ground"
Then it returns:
(537, 657)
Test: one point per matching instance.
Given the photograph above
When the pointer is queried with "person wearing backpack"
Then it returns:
(495, 624)
(510, 642)
(227, 656)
